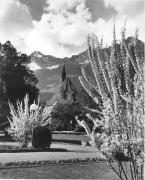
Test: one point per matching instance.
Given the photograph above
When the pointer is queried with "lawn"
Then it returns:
(63, 136)
(75, 138)
(93, 170)
(89, 170)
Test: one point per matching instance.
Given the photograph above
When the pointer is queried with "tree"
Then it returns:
(16, 79)
(63, 115)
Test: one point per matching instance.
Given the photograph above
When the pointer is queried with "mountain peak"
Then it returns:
(37, 54)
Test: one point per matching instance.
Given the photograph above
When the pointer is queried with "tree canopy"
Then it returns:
(16, 79)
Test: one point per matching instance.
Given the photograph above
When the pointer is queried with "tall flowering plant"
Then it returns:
(119, 81)
(126, 144)
(23, 118)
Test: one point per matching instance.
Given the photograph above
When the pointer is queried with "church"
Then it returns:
(67, 103)
(68, 90)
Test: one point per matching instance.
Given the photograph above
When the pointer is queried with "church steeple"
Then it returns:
(63, 74)
(68, 90)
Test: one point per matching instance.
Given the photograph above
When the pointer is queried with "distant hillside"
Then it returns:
(48, 71)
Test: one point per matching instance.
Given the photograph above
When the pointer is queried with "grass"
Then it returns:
(69, 138)
(100, 171)
(56, 170)
(16, 149)
(62, 137)
(56, 137)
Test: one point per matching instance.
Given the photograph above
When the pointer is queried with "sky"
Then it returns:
(60, 27)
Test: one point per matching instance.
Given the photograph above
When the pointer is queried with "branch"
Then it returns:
(125, 98)
(115, 170)
(131, 58)
(85, 86)
(94, 110)
(84, 125)
(87, 80)
(93, 119)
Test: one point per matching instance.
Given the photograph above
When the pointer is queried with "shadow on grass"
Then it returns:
(78, 142)
(6, 139)
(17, 149)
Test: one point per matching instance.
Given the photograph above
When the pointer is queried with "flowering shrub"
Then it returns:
(23, 118)
(119, 81)
(126, 140)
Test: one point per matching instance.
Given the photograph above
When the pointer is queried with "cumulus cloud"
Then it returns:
(63, 28)
(130, 8)
(56, 6)
(15, 22)
(133, 10)
(64, 25)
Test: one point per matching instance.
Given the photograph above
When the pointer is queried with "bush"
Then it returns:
(79, 128)
(22, 119)
(41, 137)
(119, 80)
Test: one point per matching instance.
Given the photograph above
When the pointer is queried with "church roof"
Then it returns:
(63, 74)
(68, 86)
(68, 90)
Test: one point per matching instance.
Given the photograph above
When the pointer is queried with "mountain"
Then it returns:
(48, 71)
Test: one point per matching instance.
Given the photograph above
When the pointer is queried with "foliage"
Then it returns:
(64, 112)
(63, 115)
(41, 137)
(23, 118)
(16, 79)
(119, 77)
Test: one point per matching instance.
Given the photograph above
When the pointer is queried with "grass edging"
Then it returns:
(22, 164)
(33, 150)
(78, 142)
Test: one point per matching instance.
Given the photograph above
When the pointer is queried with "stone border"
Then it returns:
(37, 163)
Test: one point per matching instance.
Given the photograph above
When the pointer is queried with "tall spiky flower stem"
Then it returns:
(23, 118)
(119, 81)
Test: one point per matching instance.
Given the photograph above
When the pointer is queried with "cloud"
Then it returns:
(130, 8)
(62, 5)
(133, 10)
(62, 30)
(105, 28)
(15, 22)
(64, 25)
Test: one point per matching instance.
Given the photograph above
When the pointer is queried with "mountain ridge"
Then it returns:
(48, 71)
(50, 68)
(39, 58)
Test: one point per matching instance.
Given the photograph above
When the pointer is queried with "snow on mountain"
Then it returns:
(52, 67)
(37, 54)
(34, 66)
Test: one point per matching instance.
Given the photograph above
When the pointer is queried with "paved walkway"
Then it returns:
(73, 152)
